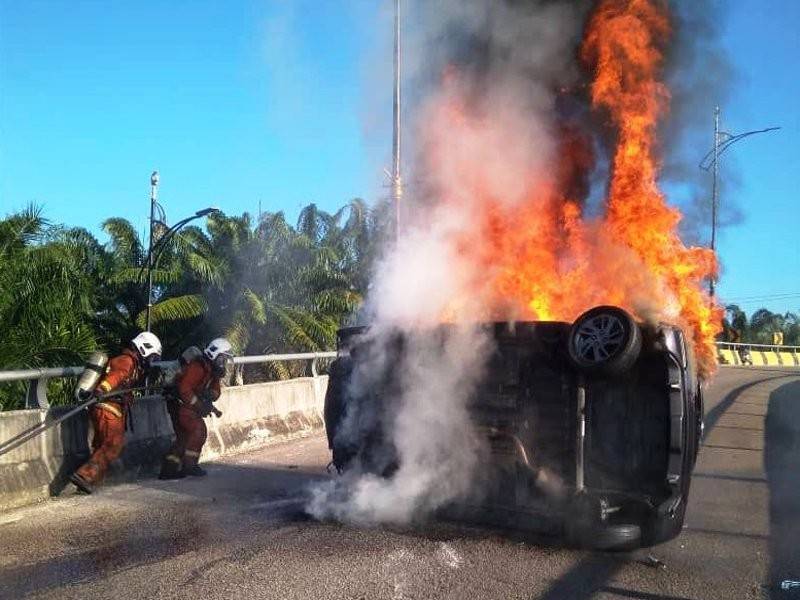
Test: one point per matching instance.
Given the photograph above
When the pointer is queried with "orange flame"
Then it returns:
(539, 257)
(624, 43)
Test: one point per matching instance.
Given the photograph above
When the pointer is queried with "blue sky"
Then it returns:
(761, 255)
(233, 105)
(277, 101)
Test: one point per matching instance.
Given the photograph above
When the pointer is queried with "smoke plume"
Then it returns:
(513, 55)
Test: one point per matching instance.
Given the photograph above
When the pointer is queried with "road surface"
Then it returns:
(241, 533)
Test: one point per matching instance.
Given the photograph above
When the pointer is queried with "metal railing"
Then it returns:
(742, 352)
(38, 379)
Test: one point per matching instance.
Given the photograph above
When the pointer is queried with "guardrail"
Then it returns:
(772, 355)
(37, 379)
(731, 353)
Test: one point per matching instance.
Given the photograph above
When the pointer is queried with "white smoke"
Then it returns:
(437, 446)
(423, 280)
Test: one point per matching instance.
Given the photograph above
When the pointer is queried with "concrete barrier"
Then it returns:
(761, 355)
(253, 416)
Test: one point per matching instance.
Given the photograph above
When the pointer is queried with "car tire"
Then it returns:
(618, 538)
(601, 536)
(663, 528)
(604, 341)
(585, 527)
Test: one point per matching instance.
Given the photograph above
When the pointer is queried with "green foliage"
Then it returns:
(267, 286)
(761, 326)
(47, 296)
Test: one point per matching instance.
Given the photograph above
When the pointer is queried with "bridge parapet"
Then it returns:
(253, 415)
(758, 355)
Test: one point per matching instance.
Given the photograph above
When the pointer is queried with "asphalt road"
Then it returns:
(241, 533)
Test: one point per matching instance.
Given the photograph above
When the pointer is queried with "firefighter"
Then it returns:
(108, 416)
(196, 387)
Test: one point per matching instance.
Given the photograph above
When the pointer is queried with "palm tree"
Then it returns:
(791, 331)
(284, 288)
(268, 286)
(763, 324)
(47, 300)
(735, 320)
(184, 268)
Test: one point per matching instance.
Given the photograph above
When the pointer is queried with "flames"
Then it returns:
(534, 252)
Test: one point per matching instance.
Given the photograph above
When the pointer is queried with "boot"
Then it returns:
(80, 483)
(194, 471)
(166, 475)
(171, 470)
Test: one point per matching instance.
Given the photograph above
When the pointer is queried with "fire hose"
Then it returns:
(39, 429)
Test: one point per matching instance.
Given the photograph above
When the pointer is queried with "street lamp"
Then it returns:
(722, 141)
(153, 202)
(155, 250)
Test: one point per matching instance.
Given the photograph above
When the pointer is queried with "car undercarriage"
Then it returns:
(591, 428)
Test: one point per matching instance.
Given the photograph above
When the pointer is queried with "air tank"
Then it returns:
(93, 370)
(192, 353)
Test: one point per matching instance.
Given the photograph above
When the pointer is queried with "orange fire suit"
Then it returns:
(108, 416)
(193, 382)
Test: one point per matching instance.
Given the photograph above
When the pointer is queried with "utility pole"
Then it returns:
(397, 182)
(722, 141)
(715, 175)
(153, 200)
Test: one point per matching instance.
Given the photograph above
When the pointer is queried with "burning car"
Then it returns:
(590, 429)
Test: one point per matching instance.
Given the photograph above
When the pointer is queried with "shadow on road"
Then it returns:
(713, 415)
(585, 579)
(782, 465)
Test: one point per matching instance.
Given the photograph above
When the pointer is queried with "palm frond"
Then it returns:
(125, 242)
(180, 308)
(138, 276)
(337, 302)
(256, 309)
(322, 331)
(238, 333)
(208, 269)
(293, 331)
(22, 228)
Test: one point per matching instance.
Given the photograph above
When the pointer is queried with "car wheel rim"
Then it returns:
(599, 338)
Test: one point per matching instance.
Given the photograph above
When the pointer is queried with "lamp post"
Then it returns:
(722, 141)
(155, 252)
(153, 200)
(155, 249)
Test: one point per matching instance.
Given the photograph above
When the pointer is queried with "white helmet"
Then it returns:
(217, 347)
(147, 344)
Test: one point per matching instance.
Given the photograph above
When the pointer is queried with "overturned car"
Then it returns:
(592, 428)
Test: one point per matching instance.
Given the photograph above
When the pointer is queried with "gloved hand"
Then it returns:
(204, 408)
(207, 396)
